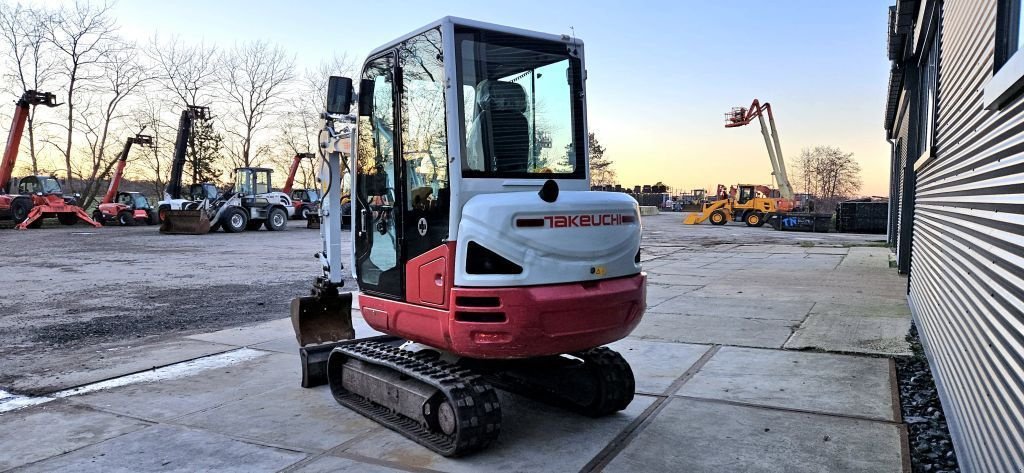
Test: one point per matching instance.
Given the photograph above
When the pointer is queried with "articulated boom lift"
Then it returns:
(494, 268)
(30, 199)
(125, 207)
(740, 116)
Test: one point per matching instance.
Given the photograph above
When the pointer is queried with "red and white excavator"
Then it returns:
(126, 208)
(478, 248)
(30, 199)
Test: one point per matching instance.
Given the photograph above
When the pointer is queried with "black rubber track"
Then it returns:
(477, 411)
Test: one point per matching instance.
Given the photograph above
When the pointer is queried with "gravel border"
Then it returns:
(931, 448)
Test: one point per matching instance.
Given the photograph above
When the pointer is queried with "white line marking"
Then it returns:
(10, 402)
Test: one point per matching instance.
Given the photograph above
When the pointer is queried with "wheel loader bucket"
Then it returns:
(320, 323)
(185, 222)
(691, 219)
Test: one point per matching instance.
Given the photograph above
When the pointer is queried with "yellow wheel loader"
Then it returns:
(746, 207)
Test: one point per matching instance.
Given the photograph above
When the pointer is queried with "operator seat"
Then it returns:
(500, 132)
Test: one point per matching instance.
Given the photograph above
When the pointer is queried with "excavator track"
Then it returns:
(595, 382)
(460, 414)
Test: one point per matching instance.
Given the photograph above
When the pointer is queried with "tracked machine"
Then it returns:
(478, 248)
(30, 199)
(126, 208)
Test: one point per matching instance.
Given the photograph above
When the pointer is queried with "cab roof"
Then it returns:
(452, 20)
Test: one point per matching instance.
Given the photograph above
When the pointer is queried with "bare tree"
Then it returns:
(83, 36)
(829, 174)
(601, 171)
(187, 72)
(123, 76)
(298, 126)
(254, 76)
(28, 60)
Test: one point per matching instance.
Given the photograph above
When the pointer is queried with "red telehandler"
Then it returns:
(30, 199)
(304, 200)
(126, 207)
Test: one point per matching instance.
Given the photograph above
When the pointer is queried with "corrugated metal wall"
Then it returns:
(967, 289)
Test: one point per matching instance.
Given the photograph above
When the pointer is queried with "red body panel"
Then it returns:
(428, 277)
(516, 322)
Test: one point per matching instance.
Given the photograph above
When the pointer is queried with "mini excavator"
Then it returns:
(478, 249)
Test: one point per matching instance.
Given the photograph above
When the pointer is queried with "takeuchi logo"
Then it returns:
(587, 220)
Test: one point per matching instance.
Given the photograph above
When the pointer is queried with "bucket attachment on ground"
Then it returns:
(313, 221)
(320, 323)
(691, 219)
(185, 222)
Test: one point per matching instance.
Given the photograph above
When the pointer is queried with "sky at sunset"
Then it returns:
(660, 74)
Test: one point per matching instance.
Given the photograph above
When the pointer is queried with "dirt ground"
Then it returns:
(81, 292)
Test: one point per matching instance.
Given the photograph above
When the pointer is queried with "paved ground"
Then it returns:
(760, 351)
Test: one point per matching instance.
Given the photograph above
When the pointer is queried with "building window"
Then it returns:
(1008, 37)
(1008, 70)
(927, 102)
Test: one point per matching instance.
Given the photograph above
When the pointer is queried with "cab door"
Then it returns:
(378, 208)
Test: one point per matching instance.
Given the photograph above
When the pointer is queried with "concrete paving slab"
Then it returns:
(170, 448)
(851, 334)
(817, 382)
(656, 365)
(714, 330)
(659, 293)
(37, 433)
(700, 436)
(290, 416)
(66, 372)
(534, 437)
(334, 464)
(169, 399)
(250, 335)
(288, 344)
(865, 307)
(735, 306)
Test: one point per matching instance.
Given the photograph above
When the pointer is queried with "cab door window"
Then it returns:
(424, 143)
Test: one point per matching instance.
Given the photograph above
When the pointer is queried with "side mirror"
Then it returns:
(365, 97)
(339, 95)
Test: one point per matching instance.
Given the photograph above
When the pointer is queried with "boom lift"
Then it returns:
(30, 199)
(497, 267)
(740, 116)
(125, 207)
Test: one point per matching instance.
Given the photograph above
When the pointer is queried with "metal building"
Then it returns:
(955, 118)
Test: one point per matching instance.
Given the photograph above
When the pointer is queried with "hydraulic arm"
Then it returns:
(21, 110)
(115, 182)
(740, 116)
(287, 189)
(185, 122)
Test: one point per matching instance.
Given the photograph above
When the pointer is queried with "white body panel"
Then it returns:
(548, 254)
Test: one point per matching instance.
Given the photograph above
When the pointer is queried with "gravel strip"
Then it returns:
(931, 449)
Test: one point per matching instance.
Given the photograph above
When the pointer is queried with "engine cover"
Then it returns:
(582, 236)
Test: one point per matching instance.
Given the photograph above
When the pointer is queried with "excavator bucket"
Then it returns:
(320, 323)
(185, 222)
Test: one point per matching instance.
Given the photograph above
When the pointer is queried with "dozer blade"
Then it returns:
(319, 324)
(185, 222)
